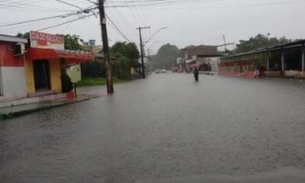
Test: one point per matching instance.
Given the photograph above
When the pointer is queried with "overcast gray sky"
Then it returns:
(189, 22)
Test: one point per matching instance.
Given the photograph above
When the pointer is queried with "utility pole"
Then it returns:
(225, 43)
(141, 50)
(105, 46)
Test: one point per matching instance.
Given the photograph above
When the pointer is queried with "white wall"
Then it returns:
(214, 63)
(212, 60)
(13, 82)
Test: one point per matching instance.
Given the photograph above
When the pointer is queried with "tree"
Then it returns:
(25, 35)
(166, 56)
(126, 56)
(71, 42)
(127, 50)
(259, 41)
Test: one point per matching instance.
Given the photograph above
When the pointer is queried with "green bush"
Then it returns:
(93, 70)
(96, 81)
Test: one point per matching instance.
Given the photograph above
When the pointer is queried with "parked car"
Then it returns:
(158, 71)
(175, 69)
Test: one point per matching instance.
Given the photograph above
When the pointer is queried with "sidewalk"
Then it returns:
(19, 110)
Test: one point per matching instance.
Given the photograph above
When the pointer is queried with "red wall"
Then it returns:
(7, 58)
(249, 74)
(228, 73)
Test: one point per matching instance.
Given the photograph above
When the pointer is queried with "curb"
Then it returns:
(30, 111)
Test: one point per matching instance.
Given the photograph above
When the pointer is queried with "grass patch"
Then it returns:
(96, 81)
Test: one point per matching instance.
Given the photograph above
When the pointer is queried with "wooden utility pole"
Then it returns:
(225, 43)
(105, 46)
(141, 50)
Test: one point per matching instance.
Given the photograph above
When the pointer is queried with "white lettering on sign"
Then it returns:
(45, 40)
(38, 36)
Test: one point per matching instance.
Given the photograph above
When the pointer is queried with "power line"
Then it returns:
(117, 28)
(65, 28)
(135, 17)
(123, 22)
(163, 2)
(57, 25)
(25, 6)
(92, 2)
(152, 3)
(4, 2)
(69, 4)
(145, 17)
(136, 10)
(120, 24)
(51, 17)
(40, 19)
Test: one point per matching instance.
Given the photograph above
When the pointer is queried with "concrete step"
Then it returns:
(20, 101)
(19, 110)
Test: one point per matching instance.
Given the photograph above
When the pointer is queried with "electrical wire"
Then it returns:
(40, 19)
(144, 15)
(168, 2)
(30, 6)
(60, 24)
(46, 18)
(117, 29)
(121, 20)
(137, 12)
(69, 4)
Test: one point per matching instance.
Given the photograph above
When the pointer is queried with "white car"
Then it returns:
(160, 71)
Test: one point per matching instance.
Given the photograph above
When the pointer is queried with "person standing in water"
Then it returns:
(196, 74)
(256, 67)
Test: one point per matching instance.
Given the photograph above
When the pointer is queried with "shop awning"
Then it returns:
(189, 61)
(70, 56)
(195, 65)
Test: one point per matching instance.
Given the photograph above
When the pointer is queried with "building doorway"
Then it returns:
(41, 75)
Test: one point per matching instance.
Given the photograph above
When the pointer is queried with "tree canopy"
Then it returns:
(72, 42)
(166, 56)
(259, 41)
(125, 50)
(25, 35)
(126, 56)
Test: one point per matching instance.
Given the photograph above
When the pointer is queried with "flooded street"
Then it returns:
(166, 129)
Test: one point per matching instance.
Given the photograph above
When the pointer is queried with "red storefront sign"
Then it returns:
(44, 40)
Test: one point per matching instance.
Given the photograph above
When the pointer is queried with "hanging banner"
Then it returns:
(44, 40)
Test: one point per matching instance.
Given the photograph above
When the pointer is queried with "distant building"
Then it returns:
(284, 60)
(203, 56)
(92, 47)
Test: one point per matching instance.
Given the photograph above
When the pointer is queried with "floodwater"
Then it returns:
(165, 129)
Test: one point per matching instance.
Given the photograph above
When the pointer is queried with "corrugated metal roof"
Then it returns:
(298, 43)
(201, 50)
(8, 38)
